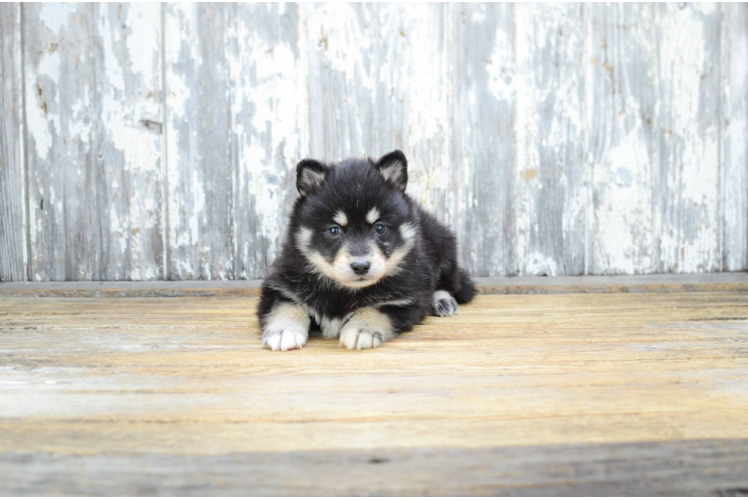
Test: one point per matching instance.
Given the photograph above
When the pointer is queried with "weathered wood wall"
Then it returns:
(144, 141)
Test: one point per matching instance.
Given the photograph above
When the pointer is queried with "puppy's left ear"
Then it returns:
(394, 168)
(309, 175)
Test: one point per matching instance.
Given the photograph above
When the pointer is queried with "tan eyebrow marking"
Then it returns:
(340, 218)
(372, 216)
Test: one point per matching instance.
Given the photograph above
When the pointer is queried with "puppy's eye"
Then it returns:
(334, 231)
(380, 228)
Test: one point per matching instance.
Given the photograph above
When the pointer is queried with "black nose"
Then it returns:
(361, 266)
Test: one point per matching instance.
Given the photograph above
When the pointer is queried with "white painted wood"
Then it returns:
(622, 147)
(269, 121)
(13, 250)
(93, 92)
(198, 43)
(483, 109)
(554, 139)
(550, 197)
(687, 215)
(235, 122)
(378, 80)
(734, 136)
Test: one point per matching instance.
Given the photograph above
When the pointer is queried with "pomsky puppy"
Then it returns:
(361, 259)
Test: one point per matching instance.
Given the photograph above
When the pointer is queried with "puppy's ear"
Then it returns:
(309, 174)
(394, 168)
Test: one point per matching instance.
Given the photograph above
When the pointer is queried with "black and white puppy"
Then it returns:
(361, 261)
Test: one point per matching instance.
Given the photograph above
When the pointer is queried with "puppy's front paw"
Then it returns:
(286, 328)
(367, 329)
(284, 338)
(444, 304)
(360, 338)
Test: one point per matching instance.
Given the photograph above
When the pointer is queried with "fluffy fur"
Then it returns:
(361, 260)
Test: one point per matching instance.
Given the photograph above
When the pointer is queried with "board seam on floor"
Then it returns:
(653, 283)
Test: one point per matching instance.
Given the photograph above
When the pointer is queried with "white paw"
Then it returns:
(285, 338)
(367, 329)
(356, 337)
(444, 304)
(287, 328)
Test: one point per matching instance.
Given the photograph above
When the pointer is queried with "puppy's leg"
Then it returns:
(366, 329)
(457, 283)
(369, 327)
(444, 304)
(285, 327)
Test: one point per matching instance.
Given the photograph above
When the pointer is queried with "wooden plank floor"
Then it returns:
(609, 393)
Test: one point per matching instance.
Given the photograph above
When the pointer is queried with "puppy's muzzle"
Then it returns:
(361, 267)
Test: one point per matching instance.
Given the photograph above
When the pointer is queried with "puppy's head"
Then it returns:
(354, 225)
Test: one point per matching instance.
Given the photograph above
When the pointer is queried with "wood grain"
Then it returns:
(13, 250)
(93, 111)
(121, 382)
(269, 122)
(550, 196)
(482, 176)
(674, 468)
(687, 217)
(734, 135)
(199, 39)
(622, 148)
(378, 80)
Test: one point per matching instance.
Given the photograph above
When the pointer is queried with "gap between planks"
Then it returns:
(652, 283)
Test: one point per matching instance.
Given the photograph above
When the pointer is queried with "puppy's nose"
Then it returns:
(361, 266)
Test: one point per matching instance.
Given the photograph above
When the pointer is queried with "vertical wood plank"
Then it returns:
(483, 109)
(550, 192)
(94, 142)
(13, 250)
(343, 92)
(687, 218)
(268, 99)
(198, 46)
(132, 130)
(378, 80)
(734, 136)
(622, 140)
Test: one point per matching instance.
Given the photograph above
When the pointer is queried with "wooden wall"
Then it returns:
(147, 141)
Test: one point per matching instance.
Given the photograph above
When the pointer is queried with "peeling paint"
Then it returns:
(99, 166)
(688, 79)
(734, 150)
(41, 94)
(55, 16)
(270, 139)
(551, 210)
(623, 154)
(549, 138)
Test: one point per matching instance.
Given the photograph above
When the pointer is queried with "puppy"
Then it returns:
(361, 261)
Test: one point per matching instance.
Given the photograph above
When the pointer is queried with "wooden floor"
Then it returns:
(585, 394)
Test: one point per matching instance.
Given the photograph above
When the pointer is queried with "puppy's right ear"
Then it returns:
(309, 174)
(394, 168)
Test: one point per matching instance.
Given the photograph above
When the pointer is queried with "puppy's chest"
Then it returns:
(329, 306)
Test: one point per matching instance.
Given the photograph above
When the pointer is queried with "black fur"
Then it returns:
(355, 186)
